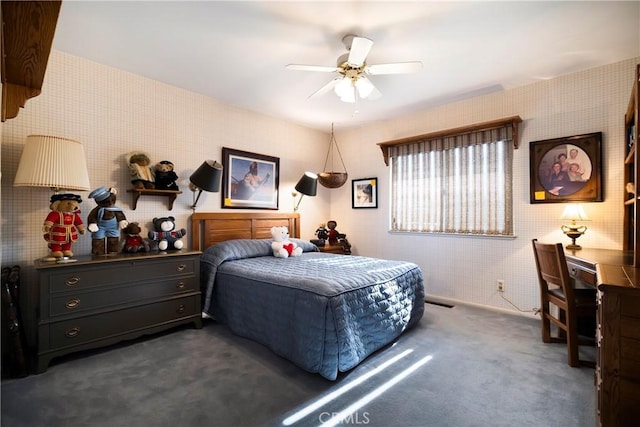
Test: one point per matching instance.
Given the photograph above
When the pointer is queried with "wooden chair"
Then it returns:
(557, 288)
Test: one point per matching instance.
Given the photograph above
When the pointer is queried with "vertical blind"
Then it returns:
(457, 184)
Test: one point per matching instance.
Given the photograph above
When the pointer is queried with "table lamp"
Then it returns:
(59, 164)
(207, 177)
(574, 212)
(307, 186)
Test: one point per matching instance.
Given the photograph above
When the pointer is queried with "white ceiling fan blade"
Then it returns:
(394, 68)
(326, 88)
(360, 48)
(321, 68)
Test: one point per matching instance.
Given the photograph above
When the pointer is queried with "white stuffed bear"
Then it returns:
(281, 245)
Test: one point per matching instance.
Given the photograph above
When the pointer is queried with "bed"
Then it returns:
(324, 312)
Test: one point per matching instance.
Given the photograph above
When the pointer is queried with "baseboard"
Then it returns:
(439, 300)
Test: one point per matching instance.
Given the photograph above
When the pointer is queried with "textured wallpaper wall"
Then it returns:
(467, 268)
(113, 112)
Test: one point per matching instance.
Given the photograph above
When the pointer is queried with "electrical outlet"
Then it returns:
(500, 286)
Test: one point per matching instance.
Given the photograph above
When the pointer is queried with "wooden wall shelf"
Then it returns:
(170, 194)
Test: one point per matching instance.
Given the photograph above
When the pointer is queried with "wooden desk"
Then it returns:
(618, 331)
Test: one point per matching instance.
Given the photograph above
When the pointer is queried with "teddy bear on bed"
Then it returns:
(165, 177)
(166, 235)
(133, 242)
(283, 247)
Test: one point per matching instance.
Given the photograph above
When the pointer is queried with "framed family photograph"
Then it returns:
(567, 169)
(364, 193)
(249, 180)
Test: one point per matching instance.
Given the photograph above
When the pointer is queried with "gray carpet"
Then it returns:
(486, 369)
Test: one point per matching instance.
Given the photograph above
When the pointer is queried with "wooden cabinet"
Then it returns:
(97, 301)
(617, 374)
(618, 340)
(631, 239)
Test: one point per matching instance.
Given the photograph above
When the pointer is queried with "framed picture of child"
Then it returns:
(567, 169)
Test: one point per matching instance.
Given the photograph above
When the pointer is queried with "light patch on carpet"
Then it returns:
(340, 391)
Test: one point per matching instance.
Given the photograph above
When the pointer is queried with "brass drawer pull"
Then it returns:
(180, 285)
(181, 267)
(72, 303)
(72, 281)
(73, 332)
(181, 309)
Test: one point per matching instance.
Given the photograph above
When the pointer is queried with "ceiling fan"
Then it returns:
(352, 81)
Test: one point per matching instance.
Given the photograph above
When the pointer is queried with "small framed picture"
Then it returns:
(567, 169)
(249, 180)
(364, 193)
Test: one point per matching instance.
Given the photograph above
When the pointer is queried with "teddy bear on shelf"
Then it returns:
(165, 235)
(282, 247)
(133, 242)
(62, 224)
(165, 177)
(105, 221)
(140, 170)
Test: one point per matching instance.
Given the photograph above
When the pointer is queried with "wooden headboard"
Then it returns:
(209, 228)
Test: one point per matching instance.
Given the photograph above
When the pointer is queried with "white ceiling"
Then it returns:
(236, 52)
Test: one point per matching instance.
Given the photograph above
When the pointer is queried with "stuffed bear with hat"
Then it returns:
(166, 235)
(105, 221)
(165, 177)
(62, 224)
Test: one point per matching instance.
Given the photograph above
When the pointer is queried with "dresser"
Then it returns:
(98, 301)
(617, 375)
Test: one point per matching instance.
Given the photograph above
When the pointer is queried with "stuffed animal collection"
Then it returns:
(144, 175)
(283, 247)
(105, 222)
(62, 224)
(166, 235)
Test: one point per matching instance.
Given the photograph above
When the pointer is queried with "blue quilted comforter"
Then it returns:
(324, 312)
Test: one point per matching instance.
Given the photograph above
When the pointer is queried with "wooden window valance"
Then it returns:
(478, 127)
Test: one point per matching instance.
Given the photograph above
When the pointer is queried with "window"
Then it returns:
(458, 183)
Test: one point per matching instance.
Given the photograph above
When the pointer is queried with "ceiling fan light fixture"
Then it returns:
(343, 88)
(364, 86)
(352, 68)
(349, 97)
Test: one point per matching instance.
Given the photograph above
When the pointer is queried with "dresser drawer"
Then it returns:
(103, 326)
(77, 302)
(582, 274)
(119, 272)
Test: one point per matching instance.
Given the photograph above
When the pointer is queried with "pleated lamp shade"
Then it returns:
(54, 162)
